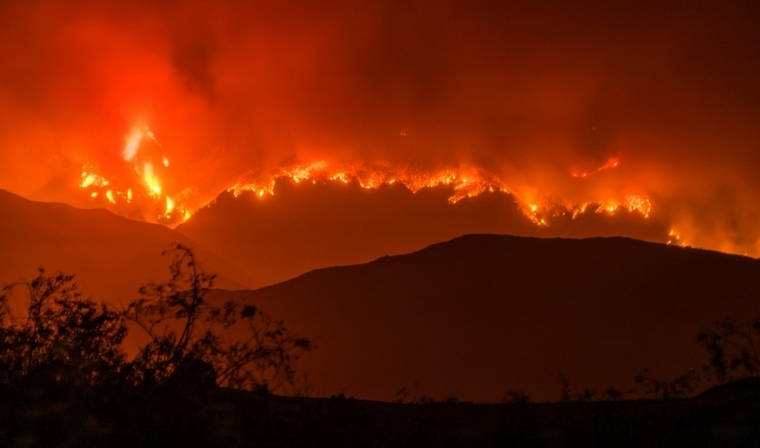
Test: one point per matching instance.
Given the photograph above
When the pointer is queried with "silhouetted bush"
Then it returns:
(60, 337)
(733, 349)
(64, 338)
(243, 347)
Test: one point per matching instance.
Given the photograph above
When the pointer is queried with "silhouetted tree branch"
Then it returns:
(733, 349)
(61, 337)
(245, 347)
(647, 386)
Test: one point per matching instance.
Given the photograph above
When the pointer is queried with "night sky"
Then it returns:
(658, 101)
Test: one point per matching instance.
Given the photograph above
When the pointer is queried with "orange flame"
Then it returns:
(611, 163)
(675, 239)
(149, 190)
(465, 182)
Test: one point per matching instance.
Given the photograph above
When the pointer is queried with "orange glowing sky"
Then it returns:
(650, 107)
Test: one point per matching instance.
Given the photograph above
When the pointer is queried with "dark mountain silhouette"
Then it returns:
(309, 226)
(110, 255)
(483, 314)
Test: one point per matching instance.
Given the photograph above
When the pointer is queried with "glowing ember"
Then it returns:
(612, 163)
(675, 239)
(91, 178)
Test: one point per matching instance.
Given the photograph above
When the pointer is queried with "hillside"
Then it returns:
(480, 315)
(308, 226)
(110, 255)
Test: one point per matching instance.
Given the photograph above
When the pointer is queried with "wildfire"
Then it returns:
(148, 190)
(134, 139)
(466, 181)
(91, 178)
(149, 167)
(675, 239)
(611, 163)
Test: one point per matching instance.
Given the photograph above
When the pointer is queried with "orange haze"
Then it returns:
(652, 107)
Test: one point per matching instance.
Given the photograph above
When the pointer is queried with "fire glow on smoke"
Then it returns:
(566, 108)
(143, 187)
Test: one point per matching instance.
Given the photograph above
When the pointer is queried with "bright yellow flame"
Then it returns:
(93, 179)
(611, 163)
(133, 140)
(674, 238)
(151, 180)
(147, 187)
(639, 204)
(464, 181)
(132, 144)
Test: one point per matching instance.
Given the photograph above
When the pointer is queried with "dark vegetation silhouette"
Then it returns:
(236, 345)
(66, 381)
(62, 337)
(733, 349)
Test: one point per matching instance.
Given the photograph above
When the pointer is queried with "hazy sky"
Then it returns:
(531, 92)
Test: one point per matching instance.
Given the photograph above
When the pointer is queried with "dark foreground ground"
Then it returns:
(163, 417)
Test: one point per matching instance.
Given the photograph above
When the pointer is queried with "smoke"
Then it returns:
(532, 93)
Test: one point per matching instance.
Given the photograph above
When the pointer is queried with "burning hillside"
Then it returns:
(142, 186)
(568, 109)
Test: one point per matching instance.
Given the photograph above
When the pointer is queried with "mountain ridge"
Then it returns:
(109, 254)
(482, 314)
(312, 225)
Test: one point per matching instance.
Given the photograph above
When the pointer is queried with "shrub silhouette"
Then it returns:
(64, 338)
(733, 349)
(61, 337)
(245, 348)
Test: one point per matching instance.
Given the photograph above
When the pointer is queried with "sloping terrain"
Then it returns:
(111, 256)
(308, 226)
(481, 315)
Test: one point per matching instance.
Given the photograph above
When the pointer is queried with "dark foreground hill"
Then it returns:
(481, 315)
(309, 226)
(210, 417)
(110, 255)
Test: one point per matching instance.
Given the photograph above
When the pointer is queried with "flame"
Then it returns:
(465, 181)
(90, 177)
(148, 191)
(169, 205)
(674, 238)
(133, 140)
(611, 163)
(151, 180)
